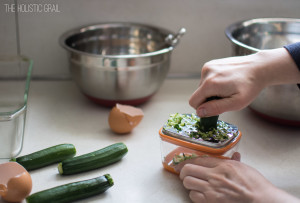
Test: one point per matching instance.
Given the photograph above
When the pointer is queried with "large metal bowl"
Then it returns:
(119, 62)
(280, 103)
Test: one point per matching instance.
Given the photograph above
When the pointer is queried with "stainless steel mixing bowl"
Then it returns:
(280, 103)
(119, 62)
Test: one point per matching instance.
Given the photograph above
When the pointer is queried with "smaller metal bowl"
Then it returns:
(119, 62)
(280, 103)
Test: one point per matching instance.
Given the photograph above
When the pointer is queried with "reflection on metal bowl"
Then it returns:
(280, 103)
(119, 62)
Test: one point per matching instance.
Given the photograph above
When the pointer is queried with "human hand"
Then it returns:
(238, 80)
(222, 180)
(235, 79)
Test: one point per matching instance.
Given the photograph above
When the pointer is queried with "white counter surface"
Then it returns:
(58, 113)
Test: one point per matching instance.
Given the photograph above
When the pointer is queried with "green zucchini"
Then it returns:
(73, 191)
(93, 160)
(209, 123)
(46, 156)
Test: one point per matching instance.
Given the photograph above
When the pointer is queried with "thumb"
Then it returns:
(215, 107)
(236, 156)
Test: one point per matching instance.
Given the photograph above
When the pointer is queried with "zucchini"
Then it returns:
(209, 123)
(46, 156)
(73, 191)
(93, 160)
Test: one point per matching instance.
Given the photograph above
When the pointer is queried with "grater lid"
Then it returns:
(182, 135)
(189, 133)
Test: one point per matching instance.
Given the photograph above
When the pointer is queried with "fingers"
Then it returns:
(201, 93)
(228, 102)
(209, 162)
(236, 156)
(198, 167)
(220, 81)
(216, 107)
(201, 166)
(195, 171)
(207, 177)
(196, 196)
(197, 98)
(196, 184)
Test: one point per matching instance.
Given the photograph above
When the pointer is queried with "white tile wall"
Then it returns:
(205, 21)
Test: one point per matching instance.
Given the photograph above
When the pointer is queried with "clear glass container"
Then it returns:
(175, 148)
(15, 75)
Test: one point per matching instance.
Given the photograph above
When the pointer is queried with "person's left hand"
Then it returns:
(223, 180)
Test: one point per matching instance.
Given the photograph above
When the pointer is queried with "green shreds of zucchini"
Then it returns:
(93, 160)
(190, 124)
(178, 158)
(46, 156)
(73, 191)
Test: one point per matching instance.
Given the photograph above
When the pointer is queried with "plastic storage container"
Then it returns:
(175, 147)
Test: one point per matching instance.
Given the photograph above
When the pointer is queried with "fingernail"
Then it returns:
(202, 112)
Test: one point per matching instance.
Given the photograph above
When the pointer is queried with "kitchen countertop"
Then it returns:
(58, 113)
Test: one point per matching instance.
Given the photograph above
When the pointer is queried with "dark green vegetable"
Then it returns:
(93, 160)
(72, 191)
(209, 123)
(46, 156)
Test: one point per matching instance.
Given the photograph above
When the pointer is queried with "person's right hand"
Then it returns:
(238, 80)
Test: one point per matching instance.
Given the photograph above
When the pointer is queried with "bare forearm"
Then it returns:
(281, 68)
(275, 195)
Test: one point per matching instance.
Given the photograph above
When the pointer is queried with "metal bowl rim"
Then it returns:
(82, 29)
(229, 30)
